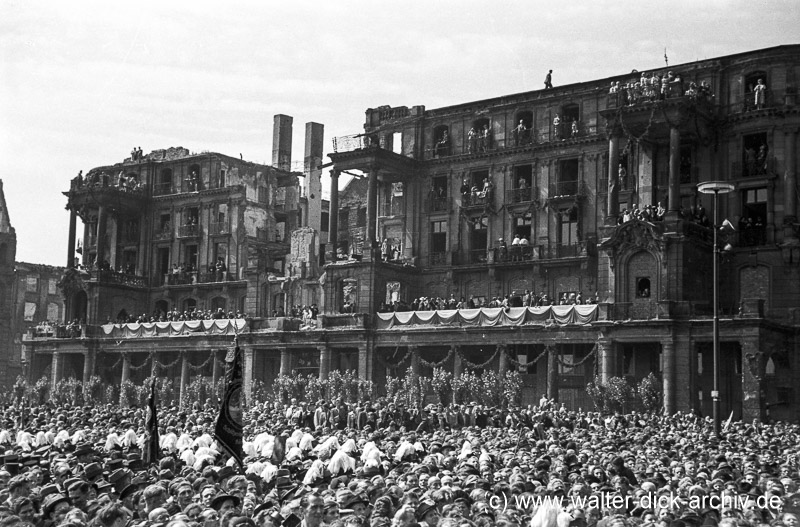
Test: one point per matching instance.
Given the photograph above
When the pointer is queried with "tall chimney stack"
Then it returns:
(313, 183)
(282, 142)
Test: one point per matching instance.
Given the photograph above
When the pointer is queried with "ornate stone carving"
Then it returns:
(633, 236)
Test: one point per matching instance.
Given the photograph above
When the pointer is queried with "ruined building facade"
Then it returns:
(447, 190)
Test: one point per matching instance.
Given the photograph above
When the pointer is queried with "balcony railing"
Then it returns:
(750, 235)
(220, 227)
(520, 195)
(548, 252)
(438, 204)
(475, 200)
(188, 231)
(162, 189)
(747, 103)
(393, 208)
(754, 167)
(113, 277)
(164, 233)
(514, 253)
(564, 188)
(437, 258)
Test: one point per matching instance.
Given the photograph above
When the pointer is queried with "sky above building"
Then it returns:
(82, 83)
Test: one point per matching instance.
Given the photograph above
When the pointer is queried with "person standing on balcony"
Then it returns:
(472, 139)
(385, 249)
(760, 92)
(520, 132)
(485, 138)
(548, 80)
(557, 126)
(574, 129)
(465, 192)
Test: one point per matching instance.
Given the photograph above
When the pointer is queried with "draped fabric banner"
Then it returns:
(187, 327)
(495, 316)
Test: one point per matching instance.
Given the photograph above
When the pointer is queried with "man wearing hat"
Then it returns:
(55, 508)
(225, 503)
(427, 513)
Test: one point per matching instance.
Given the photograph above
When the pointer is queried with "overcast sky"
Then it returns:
(81, 83)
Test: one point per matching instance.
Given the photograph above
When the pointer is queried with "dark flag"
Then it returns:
(151, 449)
(228, 431)
(278, 450)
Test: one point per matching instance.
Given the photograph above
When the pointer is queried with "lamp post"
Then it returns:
(716, 188)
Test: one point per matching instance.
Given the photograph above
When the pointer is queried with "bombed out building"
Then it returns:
(583, 197)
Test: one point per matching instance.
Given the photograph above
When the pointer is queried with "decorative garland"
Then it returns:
(576, 364)
(206, 363)
(143, 364)
(528, 364)
(387, 364)
(119, 360)
(472, 365)
(437, 364)
(158, 364)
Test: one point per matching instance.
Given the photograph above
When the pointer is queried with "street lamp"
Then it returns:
(716, 188)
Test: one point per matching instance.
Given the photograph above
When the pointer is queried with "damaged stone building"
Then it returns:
(600, 178)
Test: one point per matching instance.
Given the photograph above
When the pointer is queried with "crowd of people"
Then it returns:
(123, 182)
(516, 299)
(382, 463)
(657, 86)
(649, 213)
(174, 315)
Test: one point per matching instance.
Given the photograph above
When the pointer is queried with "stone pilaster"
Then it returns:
(668, 374)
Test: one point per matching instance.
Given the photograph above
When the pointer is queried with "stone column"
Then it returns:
(88, 365)
(612, 204)
(668, 374)
(102, 221)
(372, 208)
(126, 374)
(458, 364)
(790, 212)
(606, 359)
(414, 362)
(674, 197)
(215, 373)
(56, 369)
(754, 363)
(126, 369)
(247, 374)
(502, 359)
(286, 362)
(86, 246)
(364, 362)
(552, 373)
(324, 362)
(73, 224)
(184, 388)
(333, 215)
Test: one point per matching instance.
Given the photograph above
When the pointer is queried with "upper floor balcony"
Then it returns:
(510, 255)
(438, 204)
(218, 228)
(522, 195)
(189, 231)
(110, 276)
(476, 200)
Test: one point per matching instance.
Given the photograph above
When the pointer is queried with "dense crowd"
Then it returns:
(174, 315)
(658, 86)
(379, 463)
(516, 299)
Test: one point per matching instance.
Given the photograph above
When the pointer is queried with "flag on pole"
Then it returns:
(228, 430)
(151, 449)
